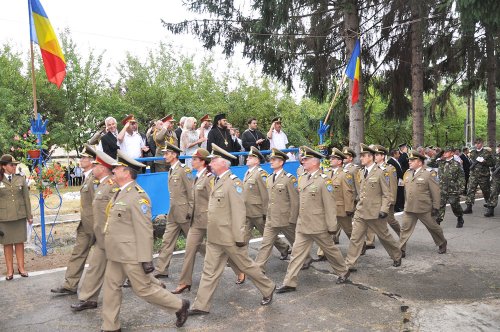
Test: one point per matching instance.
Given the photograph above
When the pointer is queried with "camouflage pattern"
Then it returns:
(479, 174)
(451, 183)
(495, 183)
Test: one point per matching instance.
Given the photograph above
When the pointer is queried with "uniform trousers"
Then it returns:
(94, 276)
(343, 223)
(475, 180)
(300, 252)
(216, 258)
(194, 243)
(495, 190)
(379, 227)
(409, 223)
(454, 200)
(143, 286)
(391, 220)
(270, 235)
(76, 264)
(172, 231)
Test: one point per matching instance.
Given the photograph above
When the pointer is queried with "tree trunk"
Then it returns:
(490, 86)
(356, 111)
(417, 73)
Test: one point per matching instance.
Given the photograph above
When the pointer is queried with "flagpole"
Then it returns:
(33, 80)
(337, 91)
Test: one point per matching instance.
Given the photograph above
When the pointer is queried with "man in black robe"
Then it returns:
(220, 135)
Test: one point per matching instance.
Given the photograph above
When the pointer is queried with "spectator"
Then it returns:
(253, 137)
(190, 139)
(276, 136)
(78, 176)
(71, 170)
(205, 126)
(222, 137)
(130, 141)
(109, 142)
(403, 157)
(178, 130)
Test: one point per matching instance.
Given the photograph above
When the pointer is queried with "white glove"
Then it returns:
(480, 159)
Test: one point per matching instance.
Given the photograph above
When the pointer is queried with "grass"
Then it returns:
(52, 201)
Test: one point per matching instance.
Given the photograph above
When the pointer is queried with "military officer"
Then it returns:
(343, 191)
(482, 160)
(451, 184)
(375, 198)
(316, 222)
(94, 277)
(85, 232)
(495, 186)
(226, 236)
(282, 209)
(181, 206)
(162, 134)
(422, 201)
(202, 186)
(128, 241)
(352, 169)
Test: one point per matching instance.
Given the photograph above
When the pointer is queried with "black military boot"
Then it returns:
(489, 211)
(468, 210)
(460, 222)
(438, 221)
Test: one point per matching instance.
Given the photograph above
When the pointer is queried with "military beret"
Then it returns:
(348, 151)
(171, 148)
(336, 153)
(217, 151)
(413, 154)
(88, 151)
(123, 159)
(307, 152)
(278, 154)
(366, 149)
(256, 153)
(8, 159)
(379, 149)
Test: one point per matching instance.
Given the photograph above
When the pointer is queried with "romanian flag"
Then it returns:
(352, 71)
(41, 32)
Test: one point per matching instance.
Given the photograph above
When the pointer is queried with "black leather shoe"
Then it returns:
(460, 222)
(343, 279)
(119, 330)
(321, 258)
(397, 263)
(63, 291)
(442, 248)
(284, 255)
(353, 269)
(403, 253)
(490, 211)
(194, 312)
(127, 284)
(84, 305)
(182, 314)
(307, 263)
(285, 289)
(468, 210)
(370, 246)
(268, 299)
(363, 250)
(438, 221)
(158, 275)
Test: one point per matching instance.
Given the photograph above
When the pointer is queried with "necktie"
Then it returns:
(366, 173)
(195, 179)
(309, 177)
(274, 177)
(10, 178)
(217, 179)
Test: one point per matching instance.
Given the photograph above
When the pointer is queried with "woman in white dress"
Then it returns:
(190, 139)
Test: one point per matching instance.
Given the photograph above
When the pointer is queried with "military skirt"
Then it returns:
(13, 231)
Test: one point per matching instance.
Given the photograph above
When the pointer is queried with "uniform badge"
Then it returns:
(435, 176)
(329, 185)
(144, 208)
(2, 185)
(239, 190)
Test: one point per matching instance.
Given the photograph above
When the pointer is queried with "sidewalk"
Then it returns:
(458, 291)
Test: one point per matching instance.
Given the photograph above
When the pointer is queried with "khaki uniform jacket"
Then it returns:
(201, 193)
(226, 212)
(180, 188)
(86, 198)
(160, 137)
(103, 195)
(343, 191)
(283, 207)
(129, 231)
(318, 212)
(300, 170)
(14, 199)
(390, 171)
(353, 169)
(422, 192)
(374, 194)
(255, 192)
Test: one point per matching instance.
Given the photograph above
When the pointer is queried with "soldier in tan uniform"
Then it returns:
(343, 191)
(422, 203)
(283, 207)
(202, 186)
(373, 207)
(353, 170)
(226, 236)
(180, 182)
(85, 232)
(316, 222)
(128, 241)
(94, 277)
(163, 133)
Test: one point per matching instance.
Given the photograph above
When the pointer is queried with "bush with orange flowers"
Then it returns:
(48, 177)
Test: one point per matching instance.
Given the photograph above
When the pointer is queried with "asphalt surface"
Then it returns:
(457, 291)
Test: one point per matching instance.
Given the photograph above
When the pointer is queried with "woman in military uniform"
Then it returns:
(15, 210)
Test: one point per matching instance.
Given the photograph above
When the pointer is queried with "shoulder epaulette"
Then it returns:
(382, 167)
(346, 170)
(110, 181)
(139, 189)
(183, 165)
(209, 174)
(323, 175)
(232, 177)
(288, 174)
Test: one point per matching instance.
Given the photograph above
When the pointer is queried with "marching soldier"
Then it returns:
(128, 242)
(495, 186)
(375, 198)
(352, 169)
(226, 236)
(162, 134)
(85, 232)
(451, 184)
(482, 160)
(181, 205)
(282, 209)
(316, 222)
(422, 201)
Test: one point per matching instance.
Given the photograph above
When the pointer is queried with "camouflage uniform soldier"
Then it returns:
(482, 160)
(451, 183)
(495, 186)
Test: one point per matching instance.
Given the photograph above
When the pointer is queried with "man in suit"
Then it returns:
(373, 207)
(282, 209)
(422, 202)
(400, 196)
(109, 142)
(180, 182)
(85, 232)
(221, 136)
(162, 134)
(466, 166)
(253, 137)
(128, 244)
(226, 236)
(316, 222)
(403, 157)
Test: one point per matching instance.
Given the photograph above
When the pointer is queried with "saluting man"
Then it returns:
(128, 241)
(181, 204)
(162, 134)
(422, 201)
(85, 232)
(226, 236)
(316, 222)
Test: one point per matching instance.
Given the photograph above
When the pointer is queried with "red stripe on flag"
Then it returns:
(55, 67)
(355, 91)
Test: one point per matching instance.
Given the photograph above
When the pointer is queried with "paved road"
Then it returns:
(458, 291)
